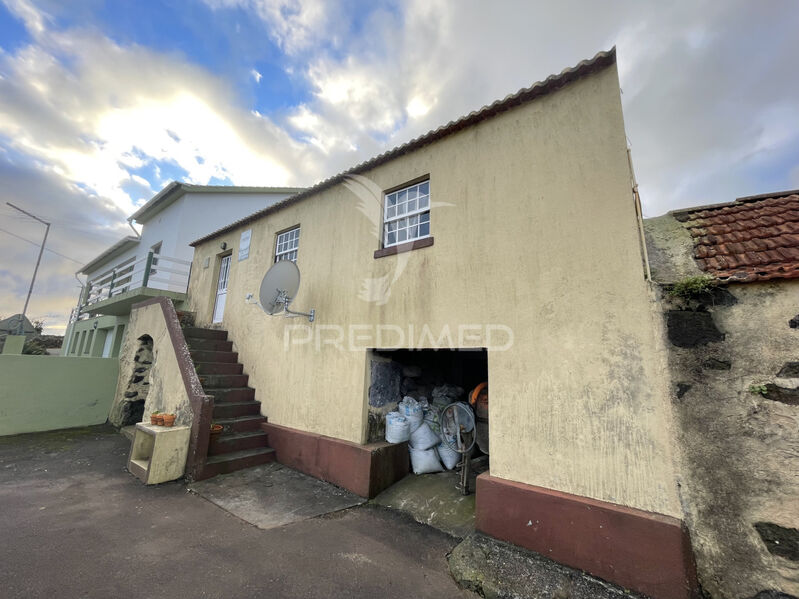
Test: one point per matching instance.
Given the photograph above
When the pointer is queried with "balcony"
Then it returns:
(113, 293)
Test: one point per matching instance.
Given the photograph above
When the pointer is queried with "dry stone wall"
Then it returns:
(734, 359)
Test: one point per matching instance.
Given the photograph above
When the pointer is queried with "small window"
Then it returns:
(287, 244)
(156, 250)
(407, 214)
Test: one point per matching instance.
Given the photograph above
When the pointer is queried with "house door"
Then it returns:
(221, 289)
(109, 336)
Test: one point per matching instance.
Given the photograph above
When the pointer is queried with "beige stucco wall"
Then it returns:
(540, 236)
(167, 391)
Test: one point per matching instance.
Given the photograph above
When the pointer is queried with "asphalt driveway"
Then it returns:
(74, 523)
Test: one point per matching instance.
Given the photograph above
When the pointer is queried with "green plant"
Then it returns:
(691, 287)
(758, 389)
(34, 347)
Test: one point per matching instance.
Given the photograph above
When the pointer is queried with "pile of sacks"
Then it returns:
(418, 423)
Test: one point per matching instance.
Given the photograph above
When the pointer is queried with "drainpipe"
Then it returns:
(640, 217)
(130, 224)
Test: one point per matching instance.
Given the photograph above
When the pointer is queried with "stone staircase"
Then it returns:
(242, 443)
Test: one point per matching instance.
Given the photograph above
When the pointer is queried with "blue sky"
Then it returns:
(102, 103)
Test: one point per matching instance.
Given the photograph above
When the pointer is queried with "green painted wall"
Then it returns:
(14, 344)
(41, 393)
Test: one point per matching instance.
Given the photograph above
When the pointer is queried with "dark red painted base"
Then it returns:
(649, 553)
(365, 470)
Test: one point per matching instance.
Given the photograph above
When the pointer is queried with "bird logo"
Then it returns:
(377, 290)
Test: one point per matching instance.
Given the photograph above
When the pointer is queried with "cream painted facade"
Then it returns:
(535, 230)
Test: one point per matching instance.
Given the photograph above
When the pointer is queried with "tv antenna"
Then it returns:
(278, 288)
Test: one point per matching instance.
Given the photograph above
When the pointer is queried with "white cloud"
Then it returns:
(294, 25)
(708, 98)
(33, 18)
(121, 108)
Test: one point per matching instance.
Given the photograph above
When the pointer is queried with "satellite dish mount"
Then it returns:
(283, 299)
(279, 287)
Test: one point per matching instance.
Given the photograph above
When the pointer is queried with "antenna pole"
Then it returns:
(36, 268)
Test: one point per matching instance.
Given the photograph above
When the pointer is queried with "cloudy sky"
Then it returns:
(104, 102)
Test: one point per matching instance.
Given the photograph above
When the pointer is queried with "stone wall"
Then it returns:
(135, 395)
(734, 358)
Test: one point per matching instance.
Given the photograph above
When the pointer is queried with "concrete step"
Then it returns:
(201, 355)
(209, 344)
(228, 394)
(235, 409)
(223, 381)
(237, 442)
(238, 460)
(240, 424)
(198, 333)
(218, 367)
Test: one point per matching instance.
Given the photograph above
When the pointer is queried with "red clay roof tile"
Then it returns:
(751, 239)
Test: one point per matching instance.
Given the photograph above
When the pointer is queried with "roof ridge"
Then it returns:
(744, 203)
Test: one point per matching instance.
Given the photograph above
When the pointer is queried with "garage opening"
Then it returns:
(440, 493)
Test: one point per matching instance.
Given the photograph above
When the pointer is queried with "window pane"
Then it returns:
(392, 199)
(413, 232)
(424, 218)
(424, 188)
(413, 193)
(411, 205)
(392, 239)
(424, 201)
(402, 196)
(424, 229)
(402, 235)
(391, 212)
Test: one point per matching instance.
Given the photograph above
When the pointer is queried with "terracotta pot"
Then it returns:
(216, 429)
(169, 419)
(159, 419)
(153, 418)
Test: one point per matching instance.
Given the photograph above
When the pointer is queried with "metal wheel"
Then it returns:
(457, 423)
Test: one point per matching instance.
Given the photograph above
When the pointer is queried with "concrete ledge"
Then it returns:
(649, 553)
(363, 469)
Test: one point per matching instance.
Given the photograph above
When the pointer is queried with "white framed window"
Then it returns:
(156, 249)
(406, 214)
(287, 244)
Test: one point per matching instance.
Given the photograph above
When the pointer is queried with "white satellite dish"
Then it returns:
(279, 287)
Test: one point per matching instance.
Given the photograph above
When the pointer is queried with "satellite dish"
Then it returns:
(279, 287)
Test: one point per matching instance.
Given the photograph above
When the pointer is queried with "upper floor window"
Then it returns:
(156, 250)
(287, 244)
(407, 214)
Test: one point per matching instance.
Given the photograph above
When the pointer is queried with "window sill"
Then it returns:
(416, 244)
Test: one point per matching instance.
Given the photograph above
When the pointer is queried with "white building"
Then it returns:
(157, 261)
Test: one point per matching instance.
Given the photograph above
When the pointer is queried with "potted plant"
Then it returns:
(169, 419)
(156, 418)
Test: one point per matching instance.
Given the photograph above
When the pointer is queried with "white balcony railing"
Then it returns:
(154, 271)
